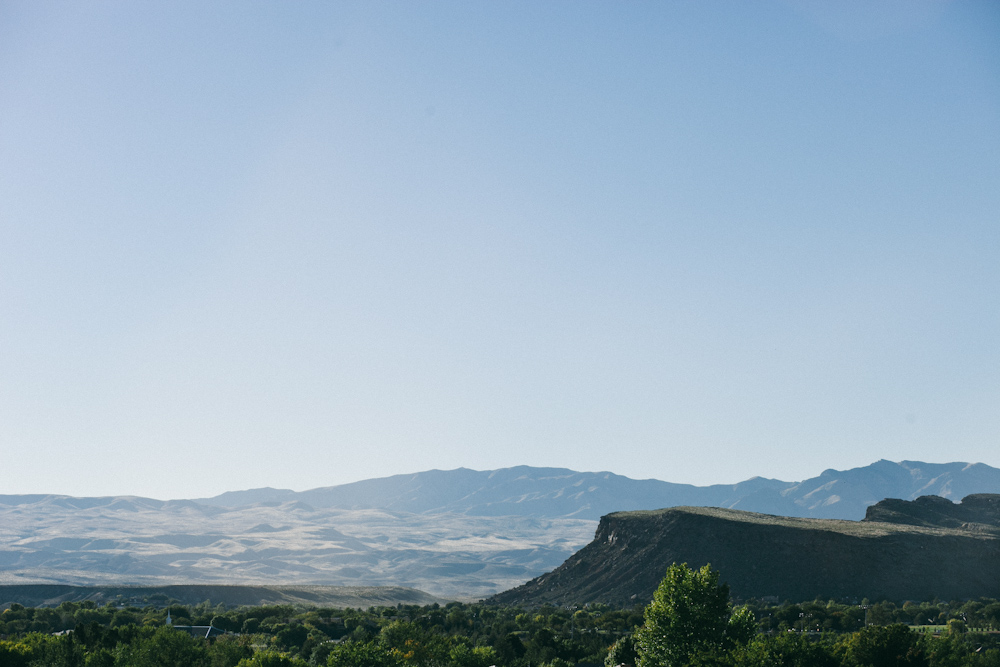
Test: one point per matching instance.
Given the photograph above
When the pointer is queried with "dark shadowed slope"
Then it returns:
(977, 512)
(761, 555)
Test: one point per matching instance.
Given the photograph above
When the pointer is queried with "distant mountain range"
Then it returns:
(559, 492)
(459, 533)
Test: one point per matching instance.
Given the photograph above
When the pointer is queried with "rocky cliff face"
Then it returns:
(761, 555)
(978, 512)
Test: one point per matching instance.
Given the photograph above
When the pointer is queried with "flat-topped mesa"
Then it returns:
(761, 556)
(977, 512)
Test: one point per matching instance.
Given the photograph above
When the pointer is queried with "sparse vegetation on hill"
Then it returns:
(761, 555)
(977, 512)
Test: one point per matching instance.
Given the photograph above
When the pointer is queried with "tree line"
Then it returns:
(691, 621)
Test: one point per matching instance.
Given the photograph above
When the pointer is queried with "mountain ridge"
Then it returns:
(484, 533)
(562, 492)
(921, 556)
(550, 492)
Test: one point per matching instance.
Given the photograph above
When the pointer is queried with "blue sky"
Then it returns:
(298, 244)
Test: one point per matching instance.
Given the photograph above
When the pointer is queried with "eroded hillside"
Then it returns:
(761, 555)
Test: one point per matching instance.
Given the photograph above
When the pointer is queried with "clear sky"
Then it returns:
(297, 244)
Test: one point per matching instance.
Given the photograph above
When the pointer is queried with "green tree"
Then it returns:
(53, 651)
(956, 626)
(509, 648)
(413, 645)
(690, 614)
(462, 655)
(271, 659)
(227, 651)
(741, 626)
(165, 647)
(14, 654)
(292, 636)
(622, 652)
(361, 654)
(884, 646)
(103, 657)
(880, 614)
(788, 649)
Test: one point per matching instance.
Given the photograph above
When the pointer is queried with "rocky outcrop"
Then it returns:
(761, 555)
(977, 512)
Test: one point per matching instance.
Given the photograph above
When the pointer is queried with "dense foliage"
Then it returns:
(814, 634)
(405, 636)
(690, 614)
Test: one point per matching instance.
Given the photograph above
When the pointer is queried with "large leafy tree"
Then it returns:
(14, 654)
(690, 615)
(885, 646)
(622, 652)
(786, 649)
(165, 647)
(362, 654)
